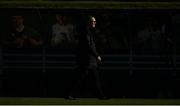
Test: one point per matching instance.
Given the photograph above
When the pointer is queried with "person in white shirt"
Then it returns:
(62, 32)
(150, 36)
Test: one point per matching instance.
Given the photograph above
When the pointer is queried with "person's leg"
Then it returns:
(97, 81)
(80, 75)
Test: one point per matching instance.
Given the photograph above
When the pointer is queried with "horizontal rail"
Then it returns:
(102, 68)
(72, 55)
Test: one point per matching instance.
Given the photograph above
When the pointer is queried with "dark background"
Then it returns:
(127, 71)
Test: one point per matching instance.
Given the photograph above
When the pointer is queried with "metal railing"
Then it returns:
(35, 60)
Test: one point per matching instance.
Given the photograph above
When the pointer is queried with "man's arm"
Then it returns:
(93, 51)
(95, 54)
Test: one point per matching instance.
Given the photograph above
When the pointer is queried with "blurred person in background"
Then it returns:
(22, 36)
(62, 32)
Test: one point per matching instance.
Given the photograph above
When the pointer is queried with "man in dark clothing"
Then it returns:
(87, 59)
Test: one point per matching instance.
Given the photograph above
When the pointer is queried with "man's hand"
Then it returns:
(35, 42)
(99, 60)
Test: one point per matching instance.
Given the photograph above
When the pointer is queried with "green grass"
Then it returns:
(85, 101)
(89, 4)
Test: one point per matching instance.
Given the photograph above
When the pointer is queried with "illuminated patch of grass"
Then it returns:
(85, 101)
(89, 4)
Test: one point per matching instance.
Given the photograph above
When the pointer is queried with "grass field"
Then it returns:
(84, 101)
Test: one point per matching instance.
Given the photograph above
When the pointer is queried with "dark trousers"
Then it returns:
(83, 72)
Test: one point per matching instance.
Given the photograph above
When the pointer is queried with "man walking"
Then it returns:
(87, 58)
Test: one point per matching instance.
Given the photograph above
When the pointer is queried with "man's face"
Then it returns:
(60, 19)
(93, 22)
(18, 20)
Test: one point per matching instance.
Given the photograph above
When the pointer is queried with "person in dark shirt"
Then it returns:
(87, 59)
(21, 36)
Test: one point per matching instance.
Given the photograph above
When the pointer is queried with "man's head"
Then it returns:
(92, 21)
(18, 20)
(61, 19)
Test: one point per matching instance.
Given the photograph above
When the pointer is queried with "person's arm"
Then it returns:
(35, 42)
(34, 38)
(93, 51)
(95, 54)
(91, 47)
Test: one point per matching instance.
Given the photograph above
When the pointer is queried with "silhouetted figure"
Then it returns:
(87, 59)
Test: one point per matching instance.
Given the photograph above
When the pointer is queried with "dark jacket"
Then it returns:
(86, 52)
